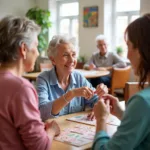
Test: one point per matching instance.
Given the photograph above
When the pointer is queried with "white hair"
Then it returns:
(101, 37)
(60, 39)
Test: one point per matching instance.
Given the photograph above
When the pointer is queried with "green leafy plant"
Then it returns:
(119, 49)
(41, 17)
(80, 62)
(81, 59)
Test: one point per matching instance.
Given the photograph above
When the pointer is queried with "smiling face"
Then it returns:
(66, 59)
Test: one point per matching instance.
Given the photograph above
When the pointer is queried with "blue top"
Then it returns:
(49, 90)
(134, 131)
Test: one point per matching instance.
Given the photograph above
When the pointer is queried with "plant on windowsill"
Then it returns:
(41, 17)
(119, 51)
(80, 62)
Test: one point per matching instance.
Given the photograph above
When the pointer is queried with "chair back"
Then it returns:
(132, 88)
(119, 78)
(45, 66)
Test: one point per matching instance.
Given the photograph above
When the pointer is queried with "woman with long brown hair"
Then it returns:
(134, 131)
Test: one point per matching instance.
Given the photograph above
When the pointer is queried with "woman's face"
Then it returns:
(31, 55)
(65, 59)
(133, 56)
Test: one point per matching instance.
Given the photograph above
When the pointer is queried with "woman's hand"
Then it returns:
(91, 116)
(85, 92)
(52, 128)
(101, 89)
(116, 108)
(101, 110)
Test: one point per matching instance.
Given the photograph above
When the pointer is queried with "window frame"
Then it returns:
(116, 14)
(71, 18)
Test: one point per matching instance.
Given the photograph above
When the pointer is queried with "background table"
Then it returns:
(86, 73)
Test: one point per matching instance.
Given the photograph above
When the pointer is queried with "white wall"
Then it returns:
(42, 3)
(145, 7)
(87, 35)
(15, 7)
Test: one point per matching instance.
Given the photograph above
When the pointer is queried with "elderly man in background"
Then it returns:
(62, 90)
(103, 60)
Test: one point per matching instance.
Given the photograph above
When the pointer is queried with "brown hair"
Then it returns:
(138, 33)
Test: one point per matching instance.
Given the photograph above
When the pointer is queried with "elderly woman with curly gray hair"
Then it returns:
(63, 90)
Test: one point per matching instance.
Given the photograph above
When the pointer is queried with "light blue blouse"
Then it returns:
(134, 131)
(49, 90)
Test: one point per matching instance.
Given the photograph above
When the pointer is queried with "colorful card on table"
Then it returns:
(83, 119)
(78, 135)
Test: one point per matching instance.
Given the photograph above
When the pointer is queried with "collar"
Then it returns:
(53, 80)
(105, 56)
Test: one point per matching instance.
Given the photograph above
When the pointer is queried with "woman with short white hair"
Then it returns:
(62, 90)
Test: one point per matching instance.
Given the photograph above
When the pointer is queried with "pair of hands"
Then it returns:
(52, 128)
(88, 93)
(106, 105)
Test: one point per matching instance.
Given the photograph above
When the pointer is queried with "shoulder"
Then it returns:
(77, 74)
(112, 54)
(141, 100)
(95, 54)
(22, 87)
(20, 82)
(45, 74)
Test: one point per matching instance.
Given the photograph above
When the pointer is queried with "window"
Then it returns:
(68, 11)
(125, 11)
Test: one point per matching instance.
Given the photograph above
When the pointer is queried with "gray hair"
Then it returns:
(13, 32)
(101, 37)
(59, 39)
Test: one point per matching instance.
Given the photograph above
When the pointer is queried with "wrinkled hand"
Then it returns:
(115, 106)
(52, 127)
(101, 109)
(101, 89)
(91, 116)
(92, 66)
(85, 92)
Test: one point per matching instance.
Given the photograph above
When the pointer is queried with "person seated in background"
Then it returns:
(134, 131)
(62, 90)
(21, 125)
(103, 60)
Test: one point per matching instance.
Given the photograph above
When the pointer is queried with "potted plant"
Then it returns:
(80, 62)
(119, 50)
(41, 17)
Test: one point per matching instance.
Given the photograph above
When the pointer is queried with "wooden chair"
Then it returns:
(119, 77)
(132, 88)
(45, 66)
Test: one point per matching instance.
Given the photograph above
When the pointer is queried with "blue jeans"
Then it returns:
(105, 80)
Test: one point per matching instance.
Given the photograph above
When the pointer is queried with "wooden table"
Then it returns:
(86, 73)
(63, 123)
